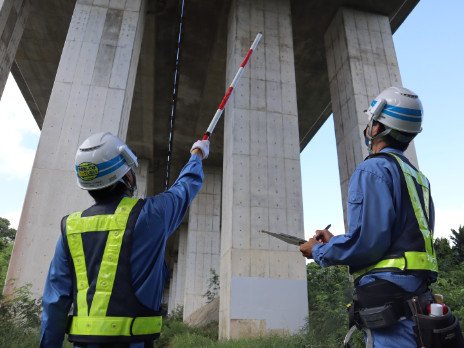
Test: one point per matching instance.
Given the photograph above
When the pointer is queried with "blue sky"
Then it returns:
(429, 51)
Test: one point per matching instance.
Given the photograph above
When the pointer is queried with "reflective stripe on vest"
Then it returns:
(95, 322)
(412, 260)
(115, 326)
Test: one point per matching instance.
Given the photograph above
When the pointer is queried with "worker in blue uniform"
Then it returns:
(389, 242)
(109, 260)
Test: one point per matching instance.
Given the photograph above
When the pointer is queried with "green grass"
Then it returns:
(16, 337)
(176, 334)
(188, 340)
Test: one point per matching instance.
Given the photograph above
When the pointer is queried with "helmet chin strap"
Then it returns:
(380, 135)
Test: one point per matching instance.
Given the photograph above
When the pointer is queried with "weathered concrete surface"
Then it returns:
(361, 62)
(262, 176)
(179, 291)
(142, 178)
(203, 240)
(204, 315)
(92, 93)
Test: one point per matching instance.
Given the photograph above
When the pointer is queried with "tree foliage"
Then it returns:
(444, 253)
(458, 239)
(6, 232)
(7, 237)
(451, 272)
(329, 292)
(20, 311)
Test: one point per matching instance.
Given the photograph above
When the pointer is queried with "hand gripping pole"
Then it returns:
(239, 73)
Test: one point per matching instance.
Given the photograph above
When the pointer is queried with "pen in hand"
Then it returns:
(326, 228)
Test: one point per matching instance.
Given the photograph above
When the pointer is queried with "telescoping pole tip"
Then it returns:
(219, 111)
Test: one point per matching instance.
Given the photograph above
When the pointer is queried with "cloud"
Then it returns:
(18, 129)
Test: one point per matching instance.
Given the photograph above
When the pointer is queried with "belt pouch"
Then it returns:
(440, 331)
(378, 317)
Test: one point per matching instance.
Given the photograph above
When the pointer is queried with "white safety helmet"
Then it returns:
(397, 108)
(102, 160)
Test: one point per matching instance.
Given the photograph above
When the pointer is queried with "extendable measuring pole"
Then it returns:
(239, 73)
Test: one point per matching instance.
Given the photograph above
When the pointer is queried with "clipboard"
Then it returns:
(286, 237)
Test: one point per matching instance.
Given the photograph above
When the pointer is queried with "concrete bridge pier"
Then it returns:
(176, 283)
(92, 92)
(203, 240)
(263, 280)
(142, 178)
(172, 288)
(361, 62)
(180, 273)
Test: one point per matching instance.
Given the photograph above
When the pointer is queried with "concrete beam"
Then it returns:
(13, 17)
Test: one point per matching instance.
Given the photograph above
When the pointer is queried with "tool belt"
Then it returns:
(382, 303)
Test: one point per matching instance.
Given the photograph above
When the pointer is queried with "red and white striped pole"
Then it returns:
(239, 73)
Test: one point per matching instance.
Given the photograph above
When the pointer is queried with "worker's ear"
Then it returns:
(376, 129)
(129, 178)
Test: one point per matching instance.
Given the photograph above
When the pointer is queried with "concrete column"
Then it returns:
(181, 267)
(92, 92)
(141, 173)
(263, 280)
(13, 17)
(203, 241)
(172, 288)
(165, 299)
(361, 62)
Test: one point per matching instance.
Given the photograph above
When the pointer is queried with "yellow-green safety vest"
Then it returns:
(94, 321)
(412, 260)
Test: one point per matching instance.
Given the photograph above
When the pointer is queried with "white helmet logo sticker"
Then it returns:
(87, 171)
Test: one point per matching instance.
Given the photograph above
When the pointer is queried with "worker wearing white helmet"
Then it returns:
(400, 112)
(109, 260)
(102, 160)
(389, 242)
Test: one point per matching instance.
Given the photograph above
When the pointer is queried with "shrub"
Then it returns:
(20, 319)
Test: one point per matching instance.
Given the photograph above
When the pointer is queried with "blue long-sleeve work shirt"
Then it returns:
(376, 216)
(158, 219)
